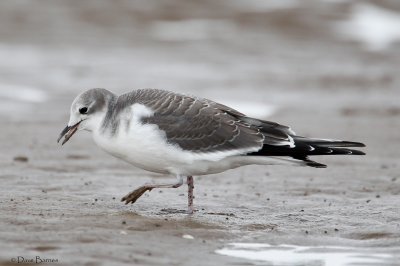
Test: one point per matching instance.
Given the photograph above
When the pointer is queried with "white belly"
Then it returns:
(141, 148)
(149, 154)
(146, 147)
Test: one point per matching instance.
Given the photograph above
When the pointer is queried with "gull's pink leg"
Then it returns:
(190, 184)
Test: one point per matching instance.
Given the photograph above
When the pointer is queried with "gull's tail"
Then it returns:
(303, 147)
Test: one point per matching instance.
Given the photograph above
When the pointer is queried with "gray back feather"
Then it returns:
(200, 125)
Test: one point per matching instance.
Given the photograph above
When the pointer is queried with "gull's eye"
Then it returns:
(83, 110)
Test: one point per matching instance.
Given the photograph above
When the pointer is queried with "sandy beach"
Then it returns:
(290, 62)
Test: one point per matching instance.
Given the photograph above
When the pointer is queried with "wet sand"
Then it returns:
(64, 202)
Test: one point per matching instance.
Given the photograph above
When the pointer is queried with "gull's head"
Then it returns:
(87, 112)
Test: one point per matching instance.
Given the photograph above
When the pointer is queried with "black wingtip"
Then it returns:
(314, 164)
(317, 165)
(353, 144)
(357, 152)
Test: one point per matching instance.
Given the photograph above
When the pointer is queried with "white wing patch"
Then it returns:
(291, 142)
(140, 111)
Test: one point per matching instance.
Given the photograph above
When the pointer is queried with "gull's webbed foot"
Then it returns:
(136, 194)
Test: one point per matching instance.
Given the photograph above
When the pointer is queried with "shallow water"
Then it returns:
(374, 27)
(307, 255)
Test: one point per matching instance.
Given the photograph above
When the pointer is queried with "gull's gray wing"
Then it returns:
(201, 125)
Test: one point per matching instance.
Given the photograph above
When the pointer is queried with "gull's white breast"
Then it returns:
(142, 145)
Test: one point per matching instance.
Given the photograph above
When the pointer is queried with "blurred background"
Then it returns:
(275, 52)
(328, 68)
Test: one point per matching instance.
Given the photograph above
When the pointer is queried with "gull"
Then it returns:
(176, 134)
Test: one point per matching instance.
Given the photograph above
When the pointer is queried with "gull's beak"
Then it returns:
(68, 131)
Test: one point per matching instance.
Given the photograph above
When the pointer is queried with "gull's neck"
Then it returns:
(109, 117)
(97, 122)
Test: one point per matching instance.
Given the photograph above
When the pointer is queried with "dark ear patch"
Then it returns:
(83, 110)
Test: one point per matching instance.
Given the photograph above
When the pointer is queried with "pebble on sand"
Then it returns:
(22, 159)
